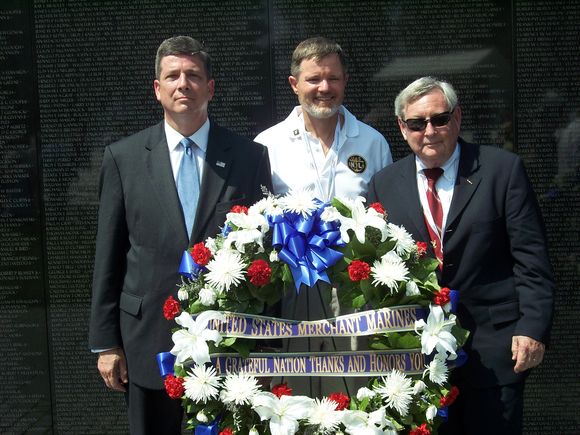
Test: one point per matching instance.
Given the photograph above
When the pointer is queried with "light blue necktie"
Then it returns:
(188, 183)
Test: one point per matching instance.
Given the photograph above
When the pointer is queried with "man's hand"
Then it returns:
(526, 352)
(112, 366)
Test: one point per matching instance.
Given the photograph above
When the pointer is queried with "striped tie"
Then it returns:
(433, 174)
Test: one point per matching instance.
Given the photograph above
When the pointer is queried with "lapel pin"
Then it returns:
(220, 164)
(296, 132)
(469, 181)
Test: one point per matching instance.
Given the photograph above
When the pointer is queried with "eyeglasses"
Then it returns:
(420, 124)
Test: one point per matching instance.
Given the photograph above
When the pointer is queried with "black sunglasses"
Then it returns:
(420, 124)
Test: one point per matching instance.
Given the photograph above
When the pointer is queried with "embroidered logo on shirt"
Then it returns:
(356, 164)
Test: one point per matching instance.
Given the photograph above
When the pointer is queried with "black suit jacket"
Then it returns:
(142, 235)
(494, 253)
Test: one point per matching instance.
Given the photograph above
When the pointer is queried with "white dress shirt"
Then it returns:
(200, 137)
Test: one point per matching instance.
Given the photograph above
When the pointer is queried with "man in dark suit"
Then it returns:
(144, 228)
(483, 224)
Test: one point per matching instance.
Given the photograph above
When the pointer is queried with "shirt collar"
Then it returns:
(200, 137)
(450, 167)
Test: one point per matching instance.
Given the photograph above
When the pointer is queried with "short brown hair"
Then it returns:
(182, 45)
(316, 48)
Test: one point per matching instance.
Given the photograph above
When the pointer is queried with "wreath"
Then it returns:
(280, 244)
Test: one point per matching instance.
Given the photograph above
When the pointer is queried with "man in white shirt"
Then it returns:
(323, 148)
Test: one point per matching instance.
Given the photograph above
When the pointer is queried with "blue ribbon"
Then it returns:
(454, 297)
(461, 359)
(188, 267)
(165, 361)
(304, 243)
(443, 413)
(207, 429)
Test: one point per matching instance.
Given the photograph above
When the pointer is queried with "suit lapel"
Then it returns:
(215, 173)
(410, 198)
(468, 180)
(159, 168)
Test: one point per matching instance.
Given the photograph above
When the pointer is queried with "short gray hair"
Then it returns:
(182, 45)
(316, 48)
(423, 86)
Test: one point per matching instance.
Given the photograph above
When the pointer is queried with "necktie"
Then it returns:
(433, 174)
(188, 183)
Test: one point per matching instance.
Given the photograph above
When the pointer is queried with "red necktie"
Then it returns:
(433, 174)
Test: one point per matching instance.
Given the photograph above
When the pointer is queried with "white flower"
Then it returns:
(182, 294)
(283, 412)
(389, 270)
(191, 341)
(239, 389)
(250, 228)
(330, 214)
(253, 431)
(274, 256)
(299, 201)
(431, 413)
(397, 390)
(225, 269)
(207, 296)
(405, 243)
(361, 423)
(201, 417)
(437, 370)
(324, 415)
(365, 393)
(361, 219)
(268, 206)
(211, 245)
(412, 289)
(419, 387)
(202, 384)
(437, 333)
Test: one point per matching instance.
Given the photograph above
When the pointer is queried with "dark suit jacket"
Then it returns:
(141, 235)
(494, 253)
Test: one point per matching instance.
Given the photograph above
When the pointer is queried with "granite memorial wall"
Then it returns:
(77, 75)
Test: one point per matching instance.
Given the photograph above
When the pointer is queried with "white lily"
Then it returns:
(251, 229)
(191, 341)
(431, 413)
(362, 218)
(283, 413)
(437, 333)
(361, 423)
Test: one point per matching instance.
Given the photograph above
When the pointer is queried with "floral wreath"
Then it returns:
(283, 242)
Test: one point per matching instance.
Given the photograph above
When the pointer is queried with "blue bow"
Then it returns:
(165, 361)
(188, 267)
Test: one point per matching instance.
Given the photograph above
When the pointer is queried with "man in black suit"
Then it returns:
(143, 230)
(484, 225)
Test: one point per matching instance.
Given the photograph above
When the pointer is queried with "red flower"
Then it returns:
(421, 248)
(342, 400)
(441, 297)
(227, 431)
(421, 430)
(171, 308)
(378, 207)
(239, 209)
(358, 270)
(200, 254)
(282, 390)
(174, 386)
(450, 397)
(259, 273)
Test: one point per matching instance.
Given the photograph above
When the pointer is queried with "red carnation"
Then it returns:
(342, 400)
(282, 390)
(200, 254)
(450, 397)
(227, 431)
(358, 270)
(378, 207)
(421, 430)
(171, 308)
(259, 273)
(174, 386)
(421, 248)
(239, 209)
(441, 297)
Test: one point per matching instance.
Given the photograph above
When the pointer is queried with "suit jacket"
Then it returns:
(142, 235)
(494, 253)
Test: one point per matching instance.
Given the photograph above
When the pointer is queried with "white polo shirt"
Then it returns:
(298, 162)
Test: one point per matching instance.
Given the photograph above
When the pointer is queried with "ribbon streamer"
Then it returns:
(207, 429)
(188, 267)
(165, 362)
